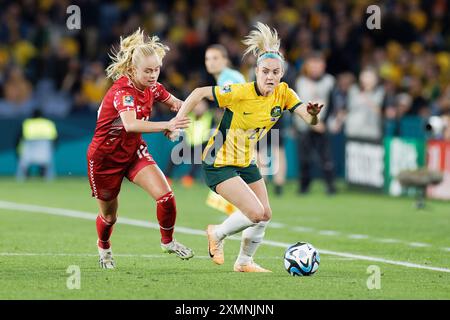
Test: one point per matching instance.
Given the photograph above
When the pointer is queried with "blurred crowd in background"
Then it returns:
(399, 70)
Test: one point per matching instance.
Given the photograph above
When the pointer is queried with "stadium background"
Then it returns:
(44, 65)
(46, 227)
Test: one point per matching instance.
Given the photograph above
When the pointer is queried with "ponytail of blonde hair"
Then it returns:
(131, 49)
(263, 40)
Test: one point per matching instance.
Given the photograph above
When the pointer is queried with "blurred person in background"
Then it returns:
(396, 109)
(419, 104)
(338, 102)
(117, 149)
(446, 120)
(94, 84)
(217, 65)
(315, 85)
(443, 102)
(18, 94)
(36, 146)
(364, 108)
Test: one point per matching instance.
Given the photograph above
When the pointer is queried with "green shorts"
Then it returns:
(216, 175)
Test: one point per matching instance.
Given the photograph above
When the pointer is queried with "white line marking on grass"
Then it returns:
(89, 216)
(418, 244)
(302, 229)
(276, 225)
(125, 255)
(388, 240)
(32, 254)
(446, 249)
(358, 236)
(328, 233)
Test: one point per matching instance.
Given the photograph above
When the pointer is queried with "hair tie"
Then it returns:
(270, 54)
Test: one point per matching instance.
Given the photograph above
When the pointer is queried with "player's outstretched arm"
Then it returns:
(131, 124)
(309, 114)
(194, 98)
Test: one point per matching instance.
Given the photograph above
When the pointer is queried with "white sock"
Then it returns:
(233, 224)
(251, 239)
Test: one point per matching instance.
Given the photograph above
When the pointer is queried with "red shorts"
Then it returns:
(105, 176)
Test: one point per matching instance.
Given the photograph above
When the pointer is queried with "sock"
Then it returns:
(233, 224)
(104, 230)
(166, 212)
(251, 239)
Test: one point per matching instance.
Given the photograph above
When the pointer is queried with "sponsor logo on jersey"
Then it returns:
(275, 112)
(128, 101)
(225, 89)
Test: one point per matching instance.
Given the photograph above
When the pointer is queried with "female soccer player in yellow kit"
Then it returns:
(229, 163)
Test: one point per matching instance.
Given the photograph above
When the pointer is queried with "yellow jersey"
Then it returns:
(247, 118)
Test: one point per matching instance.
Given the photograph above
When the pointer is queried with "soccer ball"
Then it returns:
(301, 259)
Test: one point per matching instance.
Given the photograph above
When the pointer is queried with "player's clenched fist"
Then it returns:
(313, 108)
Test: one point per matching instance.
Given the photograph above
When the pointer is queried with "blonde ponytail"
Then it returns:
(131, 49)
(263, 40)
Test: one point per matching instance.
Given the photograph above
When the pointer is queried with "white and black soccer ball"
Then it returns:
(301, 259)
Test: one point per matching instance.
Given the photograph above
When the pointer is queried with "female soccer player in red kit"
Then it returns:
(118, 150)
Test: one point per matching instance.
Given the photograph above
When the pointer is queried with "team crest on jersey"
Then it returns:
(275, 112)
(128, 101)
(225, 89)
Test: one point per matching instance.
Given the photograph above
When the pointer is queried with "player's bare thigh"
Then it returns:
(108, 209)
(152, 180)
(236, 191)
(260, 190)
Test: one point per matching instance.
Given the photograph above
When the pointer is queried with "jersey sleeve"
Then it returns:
(160, 93)
(124, 101)
(225, 96)
(292, 100)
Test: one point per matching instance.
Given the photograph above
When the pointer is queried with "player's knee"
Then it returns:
(256, 214)
(267, 214)
(110, 219)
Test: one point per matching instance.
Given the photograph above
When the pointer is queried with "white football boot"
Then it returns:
(179, 249)
(106, 260)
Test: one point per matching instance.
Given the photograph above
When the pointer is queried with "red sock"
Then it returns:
(166, 212)
(104, 230)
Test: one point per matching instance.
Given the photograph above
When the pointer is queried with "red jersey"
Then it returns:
(110, 137)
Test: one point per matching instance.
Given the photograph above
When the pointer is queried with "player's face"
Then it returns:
(215, 62)
(147, 70)
(268, 75)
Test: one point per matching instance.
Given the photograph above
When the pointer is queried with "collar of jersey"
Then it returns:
(132, 84)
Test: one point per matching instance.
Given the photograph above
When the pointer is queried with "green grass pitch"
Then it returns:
(37, 248)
